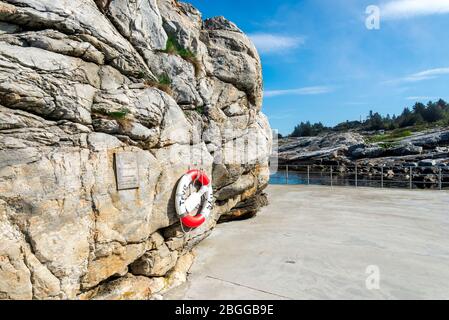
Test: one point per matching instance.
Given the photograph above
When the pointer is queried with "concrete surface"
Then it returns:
(316, 242)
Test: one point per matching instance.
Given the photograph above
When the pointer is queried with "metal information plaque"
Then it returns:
(126, 171)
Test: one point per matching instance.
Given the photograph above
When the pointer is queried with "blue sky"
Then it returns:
(321, 63)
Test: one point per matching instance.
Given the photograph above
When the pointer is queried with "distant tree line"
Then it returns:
(420, 114)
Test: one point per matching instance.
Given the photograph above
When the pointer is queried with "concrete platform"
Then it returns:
(319, 243)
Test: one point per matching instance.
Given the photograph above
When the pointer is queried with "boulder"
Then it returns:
(82, 81)
(155, 263)
(128, 287)
(325, 147)
(405, 150)
(410, 164)
(369, 152)
(233, 57)
(429, 139)
(238, 187)
(427, 163)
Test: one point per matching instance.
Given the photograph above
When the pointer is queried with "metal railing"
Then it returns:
(409, 177)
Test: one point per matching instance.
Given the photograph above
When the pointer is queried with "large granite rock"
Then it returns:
(79, 83)
(315, 149)
(349, 148)
(434, 138)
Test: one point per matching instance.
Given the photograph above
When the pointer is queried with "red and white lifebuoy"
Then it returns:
(194, 207)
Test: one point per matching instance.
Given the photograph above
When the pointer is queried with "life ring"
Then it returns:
(194, 208)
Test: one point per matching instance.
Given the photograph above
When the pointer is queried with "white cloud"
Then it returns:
(273, 43)
(421, 98)
(402, 9)
(355, 103)
(427, 74)
(306, 91)
(421, 76)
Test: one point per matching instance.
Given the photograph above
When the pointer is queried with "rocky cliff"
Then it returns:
(422, 156)
(350, 148)
(82, 81)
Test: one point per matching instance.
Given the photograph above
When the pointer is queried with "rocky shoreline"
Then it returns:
(429, 147)
(427, 153)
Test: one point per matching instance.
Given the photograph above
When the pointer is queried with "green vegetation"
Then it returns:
(173, 47)
(200, 109)
(391, 136)
(117, 115)
(305, 129)
(163, 83)
(164, 79)
(387, 145)
(418, 118)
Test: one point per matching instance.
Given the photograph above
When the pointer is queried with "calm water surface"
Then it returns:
(301, 178)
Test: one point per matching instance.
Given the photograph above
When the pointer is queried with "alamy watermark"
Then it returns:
(372, 282)
(251, 146)
(372, 21)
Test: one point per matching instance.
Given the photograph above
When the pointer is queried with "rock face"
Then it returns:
(328, 147)
(350, 147)
(419, 161)
(83, 80)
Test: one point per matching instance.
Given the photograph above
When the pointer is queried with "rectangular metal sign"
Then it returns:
(126, 171)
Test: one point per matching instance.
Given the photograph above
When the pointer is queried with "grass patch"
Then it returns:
(120, 116)
(387, 145)
(117, 115)
(173, 47)
(164, 80)
(163, 83)
(390, 136)
(400, 133)
(200, 109)
(426, 126)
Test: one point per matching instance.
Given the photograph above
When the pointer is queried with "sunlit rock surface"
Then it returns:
(82, 80)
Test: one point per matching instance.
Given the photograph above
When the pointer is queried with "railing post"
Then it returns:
(411, 178)
(332, 176)
(356, 179)
(382, 177)
(308, 175)
(286, 176)
(440, 180)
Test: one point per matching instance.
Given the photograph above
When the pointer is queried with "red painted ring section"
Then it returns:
(200, 176)
(193, 222)
(196, 221)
